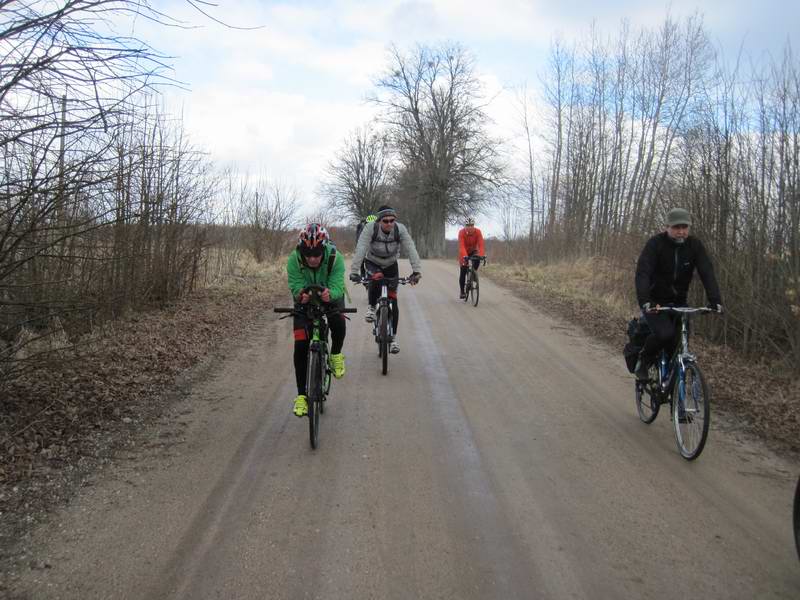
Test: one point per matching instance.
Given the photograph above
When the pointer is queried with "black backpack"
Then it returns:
(331, 259)
(638, 330)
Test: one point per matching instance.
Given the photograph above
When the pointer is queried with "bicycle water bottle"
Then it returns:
(663, 366)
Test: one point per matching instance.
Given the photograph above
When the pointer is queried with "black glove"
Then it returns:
(355, 277)
(717, 307)
(415, 277)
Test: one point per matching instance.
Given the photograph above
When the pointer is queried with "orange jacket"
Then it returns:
(470, 242)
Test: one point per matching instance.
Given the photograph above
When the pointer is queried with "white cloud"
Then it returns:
(282, 98)
(285, 134)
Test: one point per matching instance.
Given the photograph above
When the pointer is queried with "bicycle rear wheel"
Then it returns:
(646, 405)
(475, 288)
(383, 335)
(691, 412)
(314, 396)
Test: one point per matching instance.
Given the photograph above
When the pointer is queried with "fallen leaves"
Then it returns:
(60, 422)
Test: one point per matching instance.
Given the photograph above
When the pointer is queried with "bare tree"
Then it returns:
(435, 113)
(642, 123)
(101, 195)
(270, 211)
(529, 187)
(357, 178)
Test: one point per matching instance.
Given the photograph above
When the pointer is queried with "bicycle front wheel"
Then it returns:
(383, 335)
(314, 396)
(646, 404)
(475, 289)
(691, 412)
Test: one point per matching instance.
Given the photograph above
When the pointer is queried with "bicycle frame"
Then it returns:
(690, 409)
(383, 298)
(677, 364)
(471, 277)
(383, 303)
(383, 338)
(319, 344)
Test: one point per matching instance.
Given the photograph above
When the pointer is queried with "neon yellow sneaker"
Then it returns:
(300, 406)
(337, 363)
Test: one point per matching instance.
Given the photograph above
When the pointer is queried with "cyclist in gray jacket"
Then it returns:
(378, 249)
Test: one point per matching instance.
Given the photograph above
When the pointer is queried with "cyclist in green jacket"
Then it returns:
(315, 262)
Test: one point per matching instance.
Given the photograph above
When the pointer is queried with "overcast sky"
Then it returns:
(280, 99)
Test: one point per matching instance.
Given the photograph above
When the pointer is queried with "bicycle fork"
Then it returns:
(383, 303)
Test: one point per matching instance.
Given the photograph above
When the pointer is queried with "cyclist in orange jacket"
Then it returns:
(470, 244)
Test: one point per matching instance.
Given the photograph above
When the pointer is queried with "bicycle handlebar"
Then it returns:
(388, 280)
(334, 310)
(315, 290)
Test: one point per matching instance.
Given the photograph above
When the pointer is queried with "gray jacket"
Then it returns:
(385, 251)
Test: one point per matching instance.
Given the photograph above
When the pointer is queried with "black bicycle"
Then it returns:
(382, 325)
(680, 383)
(318, 371)
(472, 288)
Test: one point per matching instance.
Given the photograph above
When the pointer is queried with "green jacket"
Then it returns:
(301, 275)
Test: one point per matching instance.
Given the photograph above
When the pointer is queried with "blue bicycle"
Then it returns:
(679, 383)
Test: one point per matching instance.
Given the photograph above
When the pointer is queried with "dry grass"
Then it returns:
(762, 397)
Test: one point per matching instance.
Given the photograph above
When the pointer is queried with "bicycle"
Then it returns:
(318, 369)
(382, 325)
(471, 282)
(691, 409)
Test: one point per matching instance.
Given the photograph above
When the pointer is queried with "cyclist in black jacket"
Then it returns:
(663, 274)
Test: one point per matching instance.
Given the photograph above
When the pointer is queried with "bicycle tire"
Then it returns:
(467, 286)
(691, 427)
(476, 288)
(314, 395)
(383, 333)
(646, 405)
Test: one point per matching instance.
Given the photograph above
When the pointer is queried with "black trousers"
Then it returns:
(462, 276)
(302, 334)
(663, 335)
(392, 271)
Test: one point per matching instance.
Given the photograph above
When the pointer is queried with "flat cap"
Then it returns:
(678, 216)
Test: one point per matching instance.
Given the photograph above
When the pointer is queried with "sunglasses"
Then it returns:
(388, 221)
(312, 252)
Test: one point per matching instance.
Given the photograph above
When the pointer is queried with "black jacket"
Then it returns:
(664, 271)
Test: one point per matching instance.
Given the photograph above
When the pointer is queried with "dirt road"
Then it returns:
(501, 457)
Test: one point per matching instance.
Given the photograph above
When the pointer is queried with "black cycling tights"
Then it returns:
(338, 329)
(392, 271)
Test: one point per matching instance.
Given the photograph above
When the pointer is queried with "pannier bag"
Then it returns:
(638, 330)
